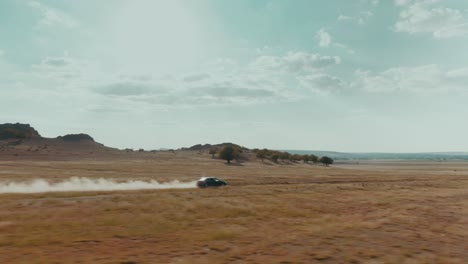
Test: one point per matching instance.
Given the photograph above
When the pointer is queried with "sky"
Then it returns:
(341, 75)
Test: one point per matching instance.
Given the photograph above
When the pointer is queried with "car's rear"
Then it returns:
(201, 183)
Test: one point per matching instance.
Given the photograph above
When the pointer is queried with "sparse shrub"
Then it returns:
(213, 152)
(261, 154)
(295, 157)
(313, 158)
(285, 155)
(275, 156)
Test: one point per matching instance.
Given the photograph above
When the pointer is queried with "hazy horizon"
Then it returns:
(348, 76)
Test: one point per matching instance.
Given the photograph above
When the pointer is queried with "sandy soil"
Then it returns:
(371, 212)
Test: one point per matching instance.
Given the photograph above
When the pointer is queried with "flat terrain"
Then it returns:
(371, 212)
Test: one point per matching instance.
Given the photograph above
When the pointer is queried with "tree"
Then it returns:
(326, 160)
(275, 156)
(313, 158)
(285, 155)
(213, 151)
(229, 153)
(296, 157)
(261, 154)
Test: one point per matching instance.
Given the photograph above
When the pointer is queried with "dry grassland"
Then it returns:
(367, 213)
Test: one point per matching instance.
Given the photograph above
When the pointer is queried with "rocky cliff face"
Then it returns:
(17, 131)
(21, 141)
(25, 131)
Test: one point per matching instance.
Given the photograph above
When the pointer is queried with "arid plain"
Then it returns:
(371, 212)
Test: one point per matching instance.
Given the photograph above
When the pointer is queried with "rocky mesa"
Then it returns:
(22, 140)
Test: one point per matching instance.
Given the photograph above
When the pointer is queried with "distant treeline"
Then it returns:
(275, 156)
(434, 156)
(233, 152)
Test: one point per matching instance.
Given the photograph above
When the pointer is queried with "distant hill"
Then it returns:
(26, 131)
(386, 156)
(22, 140)
(430, 156)
(76, 137)
(17, 131)
(208, 147)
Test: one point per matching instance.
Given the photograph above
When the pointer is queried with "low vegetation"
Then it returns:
(213, 152)
(276, 156)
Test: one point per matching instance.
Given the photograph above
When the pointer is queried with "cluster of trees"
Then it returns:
(274, 156)
(233, 152)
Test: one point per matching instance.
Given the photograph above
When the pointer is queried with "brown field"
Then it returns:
(371, 212)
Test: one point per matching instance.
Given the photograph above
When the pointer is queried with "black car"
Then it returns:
(210, 181)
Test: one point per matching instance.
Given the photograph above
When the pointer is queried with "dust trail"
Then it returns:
(87, 184)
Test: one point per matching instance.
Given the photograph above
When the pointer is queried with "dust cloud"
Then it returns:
(88, 184)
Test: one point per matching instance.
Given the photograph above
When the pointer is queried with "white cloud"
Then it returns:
(56, 62)
(307, 61)
(53, 17)
(458, 73)
(322, 83)
(196, 77)
(130, 88)
(343, 46)
(454, 31)
(265, 79)
(324, 38)
(65, 71)
(421, 79)
(295, 62)
(240, 87)
(401, 2)
(344, 18)
(360, 19)
(288, 77)
(421, 16)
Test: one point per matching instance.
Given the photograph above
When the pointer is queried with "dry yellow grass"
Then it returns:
(366, 213)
